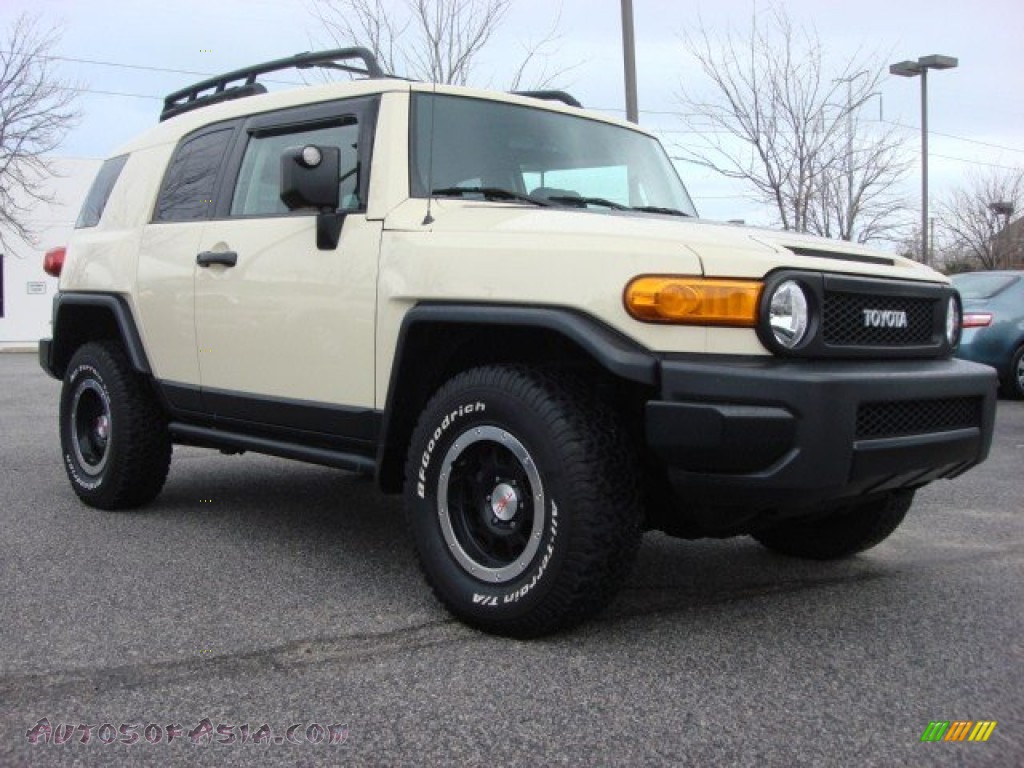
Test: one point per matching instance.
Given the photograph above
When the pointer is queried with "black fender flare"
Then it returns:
(55, 354)
(621, 356)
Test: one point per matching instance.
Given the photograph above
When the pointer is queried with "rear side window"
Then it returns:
(99, 192)
(188, 188)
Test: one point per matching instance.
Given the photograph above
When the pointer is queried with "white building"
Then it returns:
(26, 292)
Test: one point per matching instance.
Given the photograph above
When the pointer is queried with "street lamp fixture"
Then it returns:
(913, 69)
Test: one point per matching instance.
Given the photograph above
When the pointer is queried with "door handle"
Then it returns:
(224, 258)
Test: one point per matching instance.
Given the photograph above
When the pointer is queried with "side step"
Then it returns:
(205, 437)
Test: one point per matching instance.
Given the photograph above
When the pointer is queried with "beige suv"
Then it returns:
(506, 308)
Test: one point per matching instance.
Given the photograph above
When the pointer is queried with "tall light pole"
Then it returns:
(913, 69)
(629, 61)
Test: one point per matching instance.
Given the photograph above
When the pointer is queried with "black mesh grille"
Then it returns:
(845, 324)
(915, 417)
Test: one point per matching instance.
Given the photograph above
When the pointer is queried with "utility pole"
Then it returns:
(629, 61)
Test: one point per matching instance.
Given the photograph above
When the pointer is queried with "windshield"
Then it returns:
(551, 157)
(982, 286)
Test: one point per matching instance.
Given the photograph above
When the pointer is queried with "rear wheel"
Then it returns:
(842, 533)
(522, 496)
(114, 437)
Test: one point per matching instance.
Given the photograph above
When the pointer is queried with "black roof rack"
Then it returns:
(193, 97)
(561, 96)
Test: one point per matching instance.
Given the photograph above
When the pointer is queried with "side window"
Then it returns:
(99, 192)
(187, 191)
(257, 191)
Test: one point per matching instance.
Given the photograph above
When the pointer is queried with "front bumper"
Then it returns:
(770, 434)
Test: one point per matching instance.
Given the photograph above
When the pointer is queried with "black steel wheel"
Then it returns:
(522, 496)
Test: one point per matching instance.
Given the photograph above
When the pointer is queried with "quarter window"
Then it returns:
(258, 189)
(188, 188)
(99, 192)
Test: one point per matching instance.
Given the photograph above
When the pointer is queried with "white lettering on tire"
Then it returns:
(516, 595)
(446, 422)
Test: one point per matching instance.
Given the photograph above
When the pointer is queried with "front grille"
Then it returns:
(917, 417)
(844, 324)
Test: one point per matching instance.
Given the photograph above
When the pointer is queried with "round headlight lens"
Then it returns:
(788, 314)
(953, 321)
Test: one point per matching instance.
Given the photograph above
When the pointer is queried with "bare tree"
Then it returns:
(977, 224)
(434, 40)
(781, 120)
(36, 112)
(857, 198)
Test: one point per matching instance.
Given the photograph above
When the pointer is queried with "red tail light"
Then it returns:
(53, 261)
(977, 319)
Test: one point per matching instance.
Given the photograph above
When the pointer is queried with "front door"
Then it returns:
(285, 332)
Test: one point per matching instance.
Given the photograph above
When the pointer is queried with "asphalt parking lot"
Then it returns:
(258, 591)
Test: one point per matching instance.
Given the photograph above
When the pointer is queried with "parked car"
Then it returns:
(993, 331)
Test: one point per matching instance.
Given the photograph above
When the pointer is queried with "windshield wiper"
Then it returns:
(660, 209)
(579, 201)
(488, 193)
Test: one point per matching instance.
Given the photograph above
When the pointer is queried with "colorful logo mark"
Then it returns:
(958, 730)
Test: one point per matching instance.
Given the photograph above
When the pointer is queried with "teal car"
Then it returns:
(993, 324)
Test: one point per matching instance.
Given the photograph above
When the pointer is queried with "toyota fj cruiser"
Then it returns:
(506, 308)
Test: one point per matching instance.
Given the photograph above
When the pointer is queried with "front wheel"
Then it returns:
(841, 533)
(522, 496)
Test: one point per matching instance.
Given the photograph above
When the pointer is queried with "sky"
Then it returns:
(120, 50)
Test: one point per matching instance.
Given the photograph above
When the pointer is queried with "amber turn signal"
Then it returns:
(693, 300)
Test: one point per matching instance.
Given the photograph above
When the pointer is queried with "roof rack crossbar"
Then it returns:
(193, 97)
(561, 96)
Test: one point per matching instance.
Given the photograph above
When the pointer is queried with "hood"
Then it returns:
(715, 249)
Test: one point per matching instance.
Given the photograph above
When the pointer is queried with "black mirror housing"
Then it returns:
(310, 178)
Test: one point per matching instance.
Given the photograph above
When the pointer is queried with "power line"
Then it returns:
(676, 113)
(147, 68)
(952, 136)
(121, 66)
(112, 93)
(673, 113)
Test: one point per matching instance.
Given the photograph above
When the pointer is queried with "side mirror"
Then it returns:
(310, 179)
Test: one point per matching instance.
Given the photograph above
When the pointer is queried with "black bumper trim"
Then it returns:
(764, 432)
(46, 357)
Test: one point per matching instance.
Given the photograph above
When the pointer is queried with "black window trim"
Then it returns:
(363, 108)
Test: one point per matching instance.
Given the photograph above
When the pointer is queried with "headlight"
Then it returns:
(953, 321)
(788, 314)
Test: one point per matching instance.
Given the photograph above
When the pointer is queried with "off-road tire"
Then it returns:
(842, 533)
(539, 448)
(114, 439)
